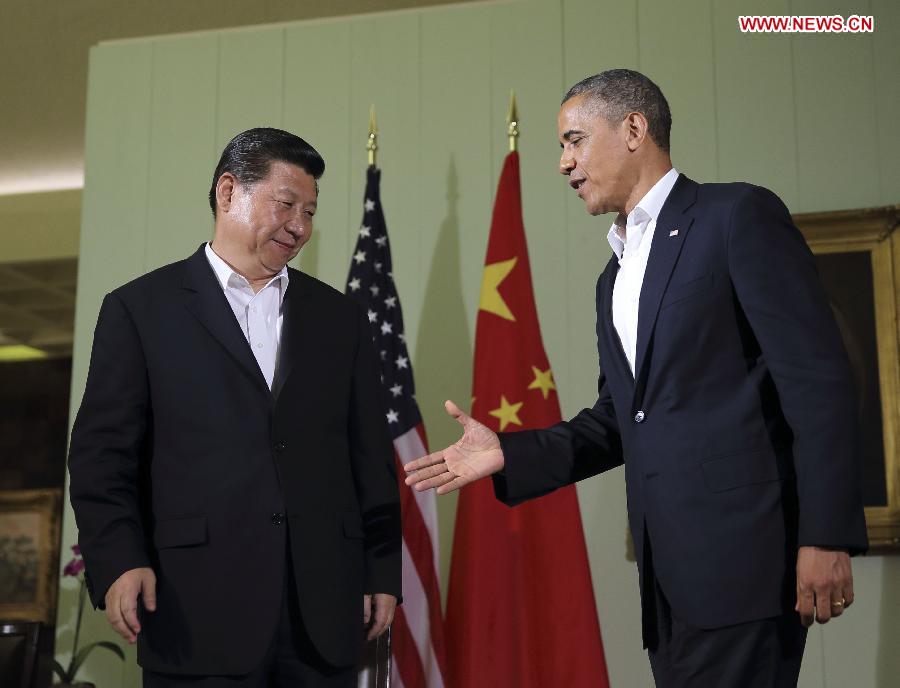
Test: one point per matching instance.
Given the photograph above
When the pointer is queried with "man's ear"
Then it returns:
(225, 190)
(635, 130)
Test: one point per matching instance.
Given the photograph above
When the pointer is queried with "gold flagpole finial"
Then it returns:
(372, 144)
(512, 122)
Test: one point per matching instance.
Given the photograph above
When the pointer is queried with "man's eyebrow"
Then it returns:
(290, 193)
(567, 136)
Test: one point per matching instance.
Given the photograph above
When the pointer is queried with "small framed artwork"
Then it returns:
(858, 256)
(29, 554)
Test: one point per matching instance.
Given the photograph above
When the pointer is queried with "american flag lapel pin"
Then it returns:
(674, 232)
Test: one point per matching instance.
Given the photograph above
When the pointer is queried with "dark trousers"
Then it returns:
(291, 662)
(756, 654)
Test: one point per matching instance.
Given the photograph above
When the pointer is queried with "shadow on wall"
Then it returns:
(888, 659)
(444, 353)
(443, 346)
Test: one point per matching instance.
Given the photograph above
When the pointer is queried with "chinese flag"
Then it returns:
(520, 608)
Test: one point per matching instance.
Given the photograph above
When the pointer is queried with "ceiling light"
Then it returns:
(51, 180)
(20, 352)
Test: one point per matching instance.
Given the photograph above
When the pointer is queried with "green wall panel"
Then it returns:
(116, 187)
(886, 50)
(834, 85)
(251, 81)
(182, 155)
(676, 47)
(755, 135)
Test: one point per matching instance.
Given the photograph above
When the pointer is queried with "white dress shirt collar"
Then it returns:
(258, 313)
(646, 211)
(228, 277)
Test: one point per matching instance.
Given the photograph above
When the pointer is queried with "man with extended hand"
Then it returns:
(231, 470)
(725, 391)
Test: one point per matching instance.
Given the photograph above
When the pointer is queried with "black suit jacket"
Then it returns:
(738, 431)
(182, 459)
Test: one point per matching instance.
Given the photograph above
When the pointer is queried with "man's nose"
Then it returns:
(297, 224)
(566, 163)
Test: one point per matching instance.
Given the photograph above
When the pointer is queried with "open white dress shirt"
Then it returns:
(258, 314)
(631, 244)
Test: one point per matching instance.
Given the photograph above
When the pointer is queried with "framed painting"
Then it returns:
(858, 256)
(29, 554)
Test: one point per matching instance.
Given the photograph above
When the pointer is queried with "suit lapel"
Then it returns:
(664, 253)
(297, 318)
(206, 301)
(613, 342)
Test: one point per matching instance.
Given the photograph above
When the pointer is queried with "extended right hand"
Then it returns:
(476, 455)
(122, 601)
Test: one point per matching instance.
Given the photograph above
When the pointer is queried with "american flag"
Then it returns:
(417, 634)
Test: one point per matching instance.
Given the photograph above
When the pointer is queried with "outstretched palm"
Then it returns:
(476, 455)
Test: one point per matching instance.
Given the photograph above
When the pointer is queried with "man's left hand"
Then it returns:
(824, 584)
(378, 609)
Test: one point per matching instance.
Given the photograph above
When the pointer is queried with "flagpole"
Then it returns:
(512, 123)
(372, 143)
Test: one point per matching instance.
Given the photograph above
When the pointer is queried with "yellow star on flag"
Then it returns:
(543, 380)
(507, 413)
(491, 301)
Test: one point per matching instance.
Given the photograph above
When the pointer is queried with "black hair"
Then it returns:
(616, 92)
(250, 154)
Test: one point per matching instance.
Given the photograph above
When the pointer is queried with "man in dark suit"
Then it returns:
(724, 390)
(231, 470)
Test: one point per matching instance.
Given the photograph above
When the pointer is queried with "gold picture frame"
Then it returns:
(29, 554)
(841, 241)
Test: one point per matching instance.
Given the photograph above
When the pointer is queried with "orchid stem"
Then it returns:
(81, 593)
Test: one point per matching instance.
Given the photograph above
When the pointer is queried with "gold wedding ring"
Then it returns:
(838, 605)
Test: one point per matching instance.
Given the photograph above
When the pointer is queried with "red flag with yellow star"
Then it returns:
(520, 606)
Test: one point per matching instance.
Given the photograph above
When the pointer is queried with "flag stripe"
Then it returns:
(418, 618)
(409, 446)
(420, 583)
(406, 659)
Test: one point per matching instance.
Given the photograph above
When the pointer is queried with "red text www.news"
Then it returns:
(806, 24)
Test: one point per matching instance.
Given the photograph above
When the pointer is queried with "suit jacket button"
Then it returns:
(278, 518)
(280, 447)
(639, 417)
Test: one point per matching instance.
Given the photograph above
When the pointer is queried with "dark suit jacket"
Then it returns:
(182, 459)
(738, 431)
